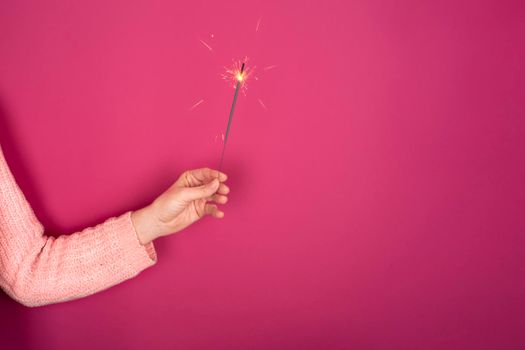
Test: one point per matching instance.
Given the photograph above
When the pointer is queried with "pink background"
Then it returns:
(378, 202)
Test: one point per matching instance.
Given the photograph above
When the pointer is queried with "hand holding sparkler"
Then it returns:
(185, 202)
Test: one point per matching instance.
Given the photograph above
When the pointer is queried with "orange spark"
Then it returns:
(204, 43)
(262, 104)
(196, 104)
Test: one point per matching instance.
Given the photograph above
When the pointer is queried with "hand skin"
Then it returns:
(183, 203)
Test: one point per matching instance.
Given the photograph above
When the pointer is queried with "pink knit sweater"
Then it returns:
(36, 269)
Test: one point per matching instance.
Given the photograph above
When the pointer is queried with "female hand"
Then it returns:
(183, 203)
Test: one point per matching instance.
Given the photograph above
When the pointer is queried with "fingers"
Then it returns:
(217, 198)
(200, 176)
(223, 189)
(212, 210)
(212, 173)
(200, 192)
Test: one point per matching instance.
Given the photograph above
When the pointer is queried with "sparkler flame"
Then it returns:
(236, 74)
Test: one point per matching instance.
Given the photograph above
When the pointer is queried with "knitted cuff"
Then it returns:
(136, 257)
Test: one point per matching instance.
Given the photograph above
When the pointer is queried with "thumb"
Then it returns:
(200, 192)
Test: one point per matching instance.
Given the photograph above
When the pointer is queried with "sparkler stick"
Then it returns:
(237, 88)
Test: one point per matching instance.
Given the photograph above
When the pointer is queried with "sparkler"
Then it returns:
(236, 75)
(239, 76)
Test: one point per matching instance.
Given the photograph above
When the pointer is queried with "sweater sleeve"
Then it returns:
(36, 269)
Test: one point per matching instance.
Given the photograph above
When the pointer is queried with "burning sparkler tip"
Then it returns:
(240, 74)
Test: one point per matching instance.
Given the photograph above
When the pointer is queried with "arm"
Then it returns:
(36, 269)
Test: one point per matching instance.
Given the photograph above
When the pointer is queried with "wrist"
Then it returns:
(143, 222)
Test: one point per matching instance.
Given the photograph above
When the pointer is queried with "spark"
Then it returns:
(270, 67)
(235, 74)
(262, 104)
(204, 43)
(196, 104)
(258, 23)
